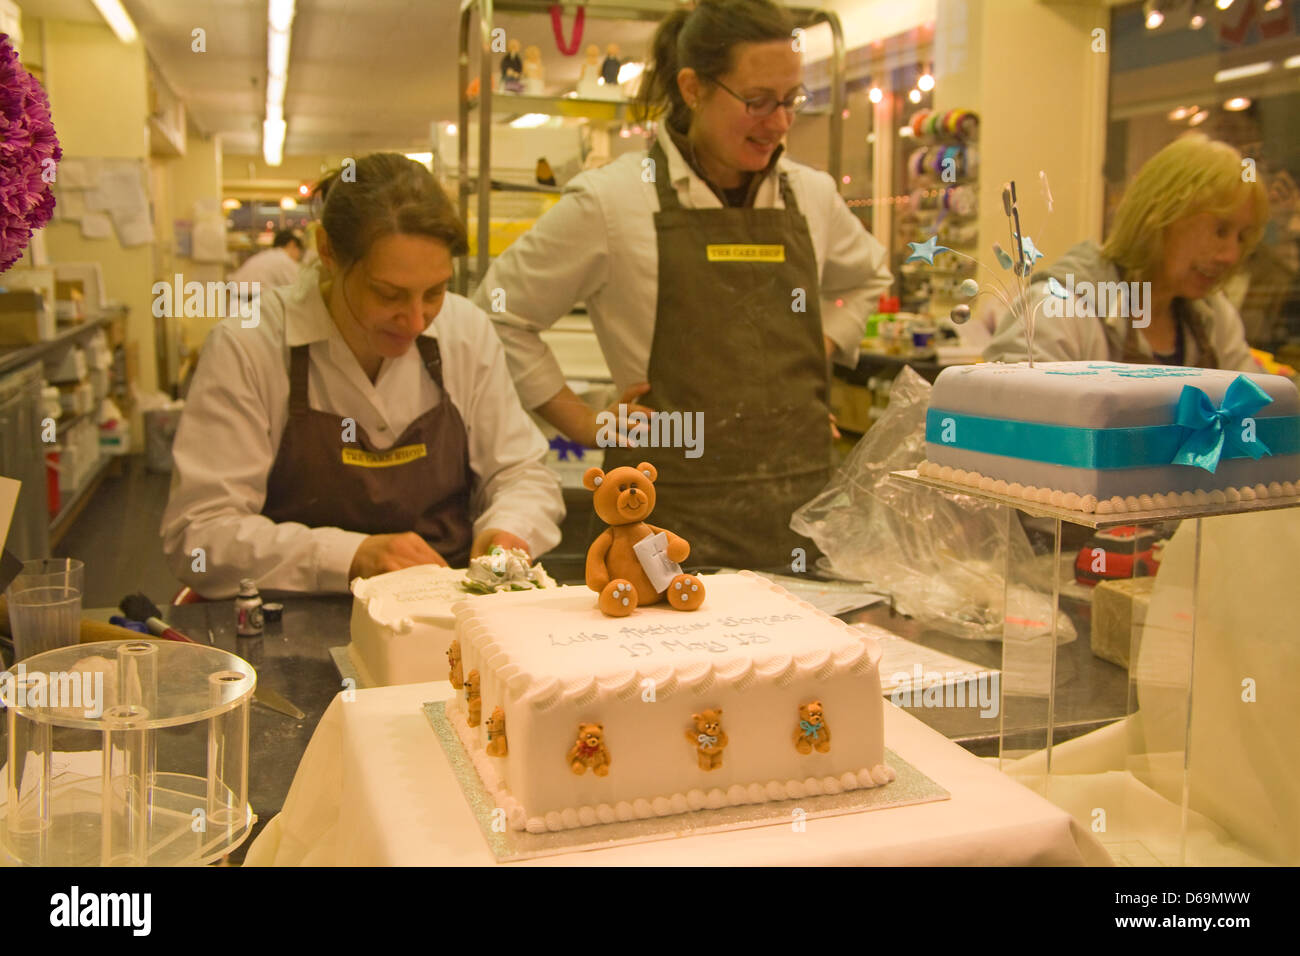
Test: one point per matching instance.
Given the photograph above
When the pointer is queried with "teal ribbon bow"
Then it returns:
(810, 730)
(1216, 431)
(707, 740)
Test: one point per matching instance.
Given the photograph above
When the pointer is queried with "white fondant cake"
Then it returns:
(551, 661)
(1111, 438)
(402, 622)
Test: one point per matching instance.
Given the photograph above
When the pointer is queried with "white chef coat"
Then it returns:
(598, 245)
(271, 268)
(237, 409)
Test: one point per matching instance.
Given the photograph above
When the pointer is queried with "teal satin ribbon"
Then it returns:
(1216, 432)
(810, 730)
(1200, 442)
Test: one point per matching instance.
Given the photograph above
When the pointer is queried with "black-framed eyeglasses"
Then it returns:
(765, 105)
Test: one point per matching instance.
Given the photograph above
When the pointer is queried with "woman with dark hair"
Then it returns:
(720, 278)
(366, 422)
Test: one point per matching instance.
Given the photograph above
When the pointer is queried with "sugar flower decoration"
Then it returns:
(28, 151)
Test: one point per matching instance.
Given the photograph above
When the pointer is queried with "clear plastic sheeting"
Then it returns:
(940, 555)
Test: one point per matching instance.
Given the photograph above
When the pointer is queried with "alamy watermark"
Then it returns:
(932, 689)
(217, 300)
(61, 689)
(1086, 299)
(656, 430)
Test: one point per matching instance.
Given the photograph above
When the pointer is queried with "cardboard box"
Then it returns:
(24, 319)
(1118, 607)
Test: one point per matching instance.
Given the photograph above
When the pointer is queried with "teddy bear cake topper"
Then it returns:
(632, 562)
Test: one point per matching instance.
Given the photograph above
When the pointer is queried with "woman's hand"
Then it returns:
(579, 422)
(492, 536)
(381, 553)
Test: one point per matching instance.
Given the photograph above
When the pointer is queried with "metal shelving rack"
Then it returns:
(484, 10)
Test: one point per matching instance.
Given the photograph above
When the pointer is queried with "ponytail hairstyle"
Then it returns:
(384, 194)
(702, 39)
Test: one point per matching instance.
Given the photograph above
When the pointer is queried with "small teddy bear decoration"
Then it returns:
(812, 732)
(708, 737)
(496, 734)
(453, 658)
(473, 702)
(589, 751)
(633, 563)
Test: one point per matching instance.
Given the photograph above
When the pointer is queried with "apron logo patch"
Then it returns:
(384, 459)
(742, 252)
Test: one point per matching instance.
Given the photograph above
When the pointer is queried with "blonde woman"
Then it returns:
(1182, 230)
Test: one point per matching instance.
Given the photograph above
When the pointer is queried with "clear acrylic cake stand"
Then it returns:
(126, 753)
(1144, 784)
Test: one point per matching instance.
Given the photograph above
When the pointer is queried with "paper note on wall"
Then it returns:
(70, 204)
(134, 227)
(77, 172)
(95, 225)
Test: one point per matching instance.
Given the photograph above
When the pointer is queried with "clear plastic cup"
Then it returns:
(50, 573)
(43, 619)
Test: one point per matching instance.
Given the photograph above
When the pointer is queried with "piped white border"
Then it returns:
(1089, 504)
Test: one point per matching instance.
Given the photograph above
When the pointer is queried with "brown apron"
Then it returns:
(421, 483)
(729, 343)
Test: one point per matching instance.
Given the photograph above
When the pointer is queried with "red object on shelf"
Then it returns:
(52, 499)
(889, 305)
(1125, 551)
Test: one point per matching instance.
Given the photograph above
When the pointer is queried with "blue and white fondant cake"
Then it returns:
(1111, 438)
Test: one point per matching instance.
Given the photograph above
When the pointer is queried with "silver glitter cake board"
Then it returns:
(348, 670)
(911, 786)
(1093, 520)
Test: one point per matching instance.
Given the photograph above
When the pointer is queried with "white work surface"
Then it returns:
(375, 789)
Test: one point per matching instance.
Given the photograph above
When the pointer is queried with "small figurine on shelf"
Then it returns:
(589, 78)
(453, 659)
(545, 175)
(589, 751)
(632, 562)
(610, 66)
(512, 69)
(473, 700)
(812, 732)
(496, 734)
(708, 737)
(534, 72)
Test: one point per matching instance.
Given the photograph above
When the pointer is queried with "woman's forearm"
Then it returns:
(575, 419)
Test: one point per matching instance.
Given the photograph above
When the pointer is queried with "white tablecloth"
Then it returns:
(375, 789)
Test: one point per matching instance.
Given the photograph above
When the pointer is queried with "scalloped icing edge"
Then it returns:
(1088, 504)
(540, 694)
(643, 808)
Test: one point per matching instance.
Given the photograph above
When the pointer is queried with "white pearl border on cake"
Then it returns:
(662, 806)
(1088, 504)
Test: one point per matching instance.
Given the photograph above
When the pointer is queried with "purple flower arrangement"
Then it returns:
(28, 151)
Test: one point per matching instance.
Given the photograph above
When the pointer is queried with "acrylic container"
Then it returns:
(126, 753)
(1193, 764)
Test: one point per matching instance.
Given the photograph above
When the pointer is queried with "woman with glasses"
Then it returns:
(720, 278)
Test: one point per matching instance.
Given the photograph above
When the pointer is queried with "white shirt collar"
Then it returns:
(306, 317)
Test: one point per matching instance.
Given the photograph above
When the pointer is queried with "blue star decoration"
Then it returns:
(1056, 288)
(925, 251)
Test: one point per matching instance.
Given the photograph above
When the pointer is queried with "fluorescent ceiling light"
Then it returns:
(1223, 4)
(273, 142)
(1291, 62)
(277, 52)
(279, 14)
(119, 21)
(529, 121)
(1241, 72)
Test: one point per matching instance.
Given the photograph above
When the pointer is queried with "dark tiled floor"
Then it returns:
(117, 538)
